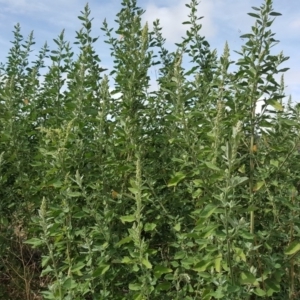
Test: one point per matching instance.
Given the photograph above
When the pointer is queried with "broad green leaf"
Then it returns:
(73, 194)
(258, 186)
(133, 190)
(260, 292)
(127, 260)
(76, 269)
(163, 286)
(275, 104)
(176, 179)
(246, 235)
(101, 270)
(254, 15)
(240, 253)
(146, 263)
(218, 294)
(56, 183)
(45, 260)
(218, 267)
(46, 271)
(180, 255)
(212, 166)
(242, 169)
(189, 95)
(35, 242)
(129, 218)
(79, 215)
(208, 231)
(159, 270)
(125, 240)
(248, 35)
(208, 210)
(274, 163)
(133, 184)
(272, 286)
(275, 14)
(177, 227)
(289, 122)
(248, 278)
(69, 284)
(283, 70)
(292, 248)
(237, 180)
(135, 286)
(202, 266)
(149, 227)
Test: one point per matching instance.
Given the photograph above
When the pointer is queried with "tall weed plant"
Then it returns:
(185, 192)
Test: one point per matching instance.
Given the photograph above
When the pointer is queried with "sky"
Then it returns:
(224, 20)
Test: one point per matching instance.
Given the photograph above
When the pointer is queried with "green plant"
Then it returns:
(207, 189)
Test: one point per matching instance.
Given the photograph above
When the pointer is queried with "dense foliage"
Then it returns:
(185, 192)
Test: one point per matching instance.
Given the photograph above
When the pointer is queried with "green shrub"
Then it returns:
(181, 193)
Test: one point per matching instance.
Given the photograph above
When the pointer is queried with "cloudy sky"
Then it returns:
(224, 20)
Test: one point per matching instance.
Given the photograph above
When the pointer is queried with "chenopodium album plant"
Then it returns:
(181, 193)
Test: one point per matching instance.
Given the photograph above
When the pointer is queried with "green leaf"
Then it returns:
(149, 227)
(129, 218)
(246, 235)
(208, 210)
(289, 122)
(35, 242)
(248, 278)
(127, 260)
(258, 186)
(272, 286)
(207, 231)
(46, 271)
(260, 292)
(275, 104)
(240, 253)
(254, 15)
(125, 240)
(237, 180)
(212, 166)
(163, 286)
(133, 190)
(275, 14)
(292, 248)
(176, 179)
(283, 70)
(180, 255)
(247, 35)
(202, 266)
(189, 95)
(135, 286)
(218, 267)
(56, 183)
(159, 270)
(177, 227)
(146, 263)
(76, 269)
(101, 270)
(69, 284)
(79, 215)
(73, 194)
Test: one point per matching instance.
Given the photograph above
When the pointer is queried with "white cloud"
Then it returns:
(171, 18)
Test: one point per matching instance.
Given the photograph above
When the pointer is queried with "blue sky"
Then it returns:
(224, 20)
